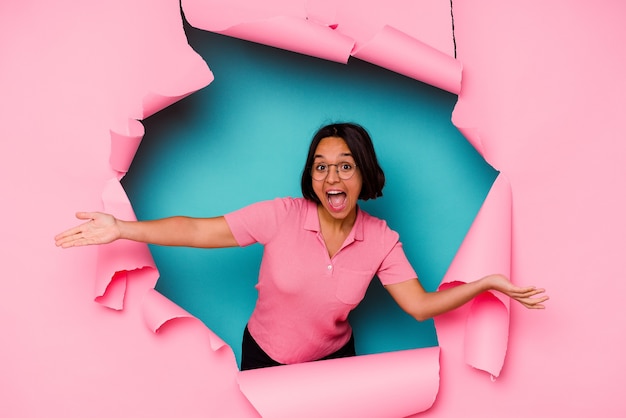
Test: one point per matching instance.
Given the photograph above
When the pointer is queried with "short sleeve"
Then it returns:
(257, 222)
(395, 267)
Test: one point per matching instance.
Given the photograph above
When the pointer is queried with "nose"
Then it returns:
(333, 174)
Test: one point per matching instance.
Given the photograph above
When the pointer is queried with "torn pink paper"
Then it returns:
(485, 250)
(569, 223)
(395, 384)
(420, 61)
(124, 147)
(120, 256)
(191, 80)
(159, 310)
(292, 32)
(115, 291)
(471, 134)
(428, 21)
(333, 31)
(223, 14)
(71, 72)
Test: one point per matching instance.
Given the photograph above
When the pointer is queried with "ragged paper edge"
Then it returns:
(394, 384)
(117, 258)
(124, 146)
(486, 250)
(390, 48)
(399, 52)
(114, 260)
(428, 65)
(297, 35)
(158, 311)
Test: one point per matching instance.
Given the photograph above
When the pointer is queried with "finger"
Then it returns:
(533, 303)
(76, 229)
(523, 290)
(73, 237)
(526, 292)
(70, 241)
(68, 244)
(69, 233)
(72, 232)
(526, 295)
(78, 240)
(86, 215)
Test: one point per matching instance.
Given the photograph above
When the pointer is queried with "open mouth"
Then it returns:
(336, 199)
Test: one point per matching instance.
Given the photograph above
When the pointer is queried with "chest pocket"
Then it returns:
(352, 285)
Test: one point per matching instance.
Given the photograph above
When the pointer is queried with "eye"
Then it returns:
(345, 166)
(320, 168)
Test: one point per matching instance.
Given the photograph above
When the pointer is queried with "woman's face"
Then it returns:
(339, 196)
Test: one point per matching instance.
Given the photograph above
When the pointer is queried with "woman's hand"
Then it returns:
(524, 295)
(100, 228)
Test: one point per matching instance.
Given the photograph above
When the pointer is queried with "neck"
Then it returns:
(331, 224)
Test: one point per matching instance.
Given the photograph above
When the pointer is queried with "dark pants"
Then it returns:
(253, 356)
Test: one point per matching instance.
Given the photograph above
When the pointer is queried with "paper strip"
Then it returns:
(124, 146)
(472, 135)
(399, 52)
(395, 384)
(189, 79)
(312, 28)
(290, 32)
(119, 256)
(115, 291)
(159, 311)
(486, 250)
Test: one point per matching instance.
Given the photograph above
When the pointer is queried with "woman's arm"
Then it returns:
(102, 228)
(422, 305)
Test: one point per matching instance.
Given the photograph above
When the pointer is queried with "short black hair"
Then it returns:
(362, 149)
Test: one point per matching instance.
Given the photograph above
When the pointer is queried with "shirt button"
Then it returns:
(330, 267)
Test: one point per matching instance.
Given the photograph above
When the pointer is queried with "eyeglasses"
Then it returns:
(345, 170)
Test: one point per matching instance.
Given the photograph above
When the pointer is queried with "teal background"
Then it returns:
(244, 138)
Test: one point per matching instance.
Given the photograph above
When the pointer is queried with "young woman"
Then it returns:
(320, 253)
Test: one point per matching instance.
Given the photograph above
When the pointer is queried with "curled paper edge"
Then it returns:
(115, 292)
(158, 311)
(397, 51)
(293, 34)
(124, 146)
(399, 383)
(485, 250)
(473, 137)
(120, 256)
(191, 78)
(487, 325)
(390, 48)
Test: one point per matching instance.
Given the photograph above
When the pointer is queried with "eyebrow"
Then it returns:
(345, 154)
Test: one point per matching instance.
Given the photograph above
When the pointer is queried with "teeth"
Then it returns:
(335, 192)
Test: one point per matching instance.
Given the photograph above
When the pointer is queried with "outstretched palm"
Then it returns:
(100, 228)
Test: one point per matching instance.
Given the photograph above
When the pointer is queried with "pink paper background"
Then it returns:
(541, 98)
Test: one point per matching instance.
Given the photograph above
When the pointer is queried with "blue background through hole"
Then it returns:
(244, 138)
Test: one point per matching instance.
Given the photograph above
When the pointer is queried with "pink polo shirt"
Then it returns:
(304, 295)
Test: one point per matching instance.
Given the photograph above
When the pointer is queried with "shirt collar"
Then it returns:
(312, 221)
